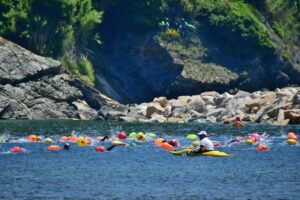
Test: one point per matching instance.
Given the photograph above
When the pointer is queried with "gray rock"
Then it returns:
(196, 104)
(18, 64)
(158, 118)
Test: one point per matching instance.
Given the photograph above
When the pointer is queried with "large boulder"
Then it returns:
(18, 65)
(34, 87)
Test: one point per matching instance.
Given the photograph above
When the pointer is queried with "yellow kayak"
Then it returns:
(189, 152)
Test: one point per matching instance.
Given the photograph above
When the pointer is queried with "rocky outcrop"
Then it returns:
(33, 87)
(279, 107)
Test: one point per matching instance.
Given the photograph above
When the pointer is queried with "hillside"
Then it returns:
(134, 51)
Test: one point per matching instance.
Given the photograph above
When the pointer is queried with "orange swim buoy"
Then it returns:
(159, 141)
(262, 147)
(32, 138)
(167, 146)
(64, 138)
(16, 150)
(72, 138)
(292, 135)
(88, 139)
(100, 148)
(53, 148)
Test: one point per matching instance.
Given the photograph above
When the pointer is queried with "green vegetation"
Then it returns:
(70, 30)
(56, 28)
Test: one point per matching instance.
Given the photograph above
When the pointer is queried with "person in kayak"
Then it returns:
(205, 143)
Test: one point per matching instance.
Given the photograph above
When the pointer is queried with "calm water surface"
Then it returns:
(143, 171)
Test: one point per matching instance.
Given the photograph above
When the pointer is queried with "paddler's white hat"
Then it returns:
(202, 133)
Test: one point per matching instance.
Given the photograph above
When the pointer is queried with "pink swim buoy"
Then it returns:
(255, 136)
(217, 144)
(122, 135)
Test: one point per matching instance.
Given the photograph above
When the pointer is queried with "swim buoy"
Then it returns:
(122, 135)
(88, 139)
(64, 138)
(292, 135)
(32, 138)
(72, 138)
(82, 142)
(262, 147)
(16, 150)
(53, 148)
(195, 143)
(249, 141)
(132, 135)
(48, 140)
(141, 136)
(152, 135)
(100, 148)
(159, 141)
(255, 137)
(217, 144)
(191, 136)
(167, 146)
(292, 142)
(239, 138)
(117, 142)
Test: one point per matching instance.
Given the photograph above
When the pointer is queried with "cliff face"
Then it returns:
(139, 68)
(200, 46)
(33, 87)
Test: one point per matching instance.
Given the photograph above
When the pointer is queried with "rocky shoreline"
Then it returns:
(279, 107)
(35, 87)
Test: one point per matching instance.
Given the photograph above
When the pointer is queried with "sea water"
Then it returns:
(142, 170)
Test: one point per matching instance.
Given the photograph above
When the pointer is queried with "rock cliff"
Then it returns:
(35, 87)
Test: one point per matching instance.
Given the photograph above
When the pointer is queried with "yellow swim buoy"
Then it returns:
(292, 142)
(117, 142)
(141, 136)
(195, 143)
(82, 142)
(249, 141)
(48, 140)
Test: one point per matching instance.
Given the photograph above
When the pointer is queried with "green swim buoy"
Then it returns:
(152, 135)
(191, 136)
(132, 135)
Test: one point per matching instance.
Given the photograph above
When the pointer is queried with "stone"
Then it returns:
(154, 108)
(18, 64)
(162, 101)
(215, 113)
(158, 118)
(209, 100)
(211, 94)
(85, 112)
(175, 120)
(196, 104)
(182, 101)
(293, 115)
(267, 98)
(281, 122)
